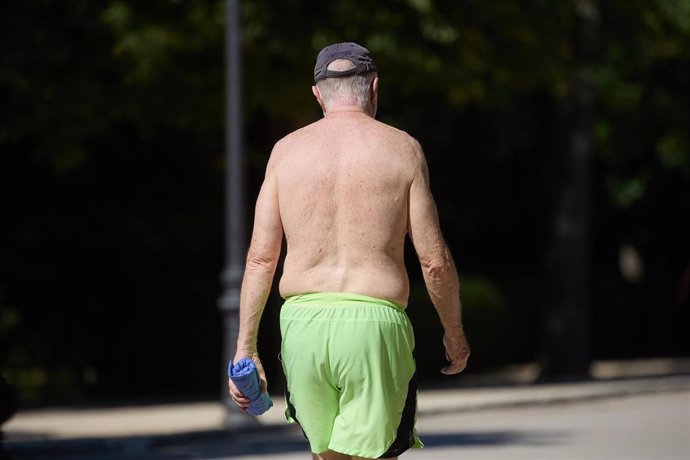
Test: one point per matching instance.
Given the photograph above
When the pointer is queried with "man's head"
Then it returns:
(345, 75)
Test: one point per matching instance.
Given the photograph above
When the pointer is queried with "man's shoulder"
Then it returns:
(399, 134)
(394, 137)
(297, 135)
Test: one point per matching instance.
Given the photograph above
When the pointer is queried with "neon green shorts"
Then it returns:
(351, 381)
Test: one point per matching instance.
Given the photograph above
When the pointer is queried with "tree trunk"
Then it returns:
(568, 265)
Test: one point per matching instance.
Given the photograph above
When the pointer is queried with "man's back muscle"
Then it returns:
(343, 185)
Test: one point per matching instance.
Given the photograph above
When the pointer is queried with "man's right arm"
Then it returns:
(440, 274)
(262, 259)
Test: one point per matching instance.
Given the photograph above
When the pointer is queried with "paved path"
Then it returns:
(173, 419)
(457, 418)
(645, 427)
(639, 427)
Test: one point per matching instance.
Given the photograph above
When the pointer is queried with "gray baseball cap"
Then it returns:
(353, 52)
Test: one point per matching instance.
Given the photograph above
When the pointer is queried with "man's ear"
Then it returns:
(317, 94)
(374, 93)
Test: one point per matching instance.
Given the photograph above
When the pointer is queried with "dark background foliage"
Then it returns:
(111, 180)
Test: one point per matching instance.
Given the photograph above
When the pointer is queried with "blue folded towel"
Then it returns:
(245, 376)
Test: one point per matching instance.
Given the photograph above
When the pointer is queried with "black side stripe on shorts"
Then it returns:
(293, 412)
(405, 436)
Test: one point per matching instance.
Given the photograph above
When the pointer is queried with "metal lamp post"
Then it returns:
(231, 277)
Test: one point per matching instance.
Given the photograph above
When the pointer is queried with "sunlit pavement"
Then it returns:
(642, 427)
(639, 427)
(619, 417)
(651, 426)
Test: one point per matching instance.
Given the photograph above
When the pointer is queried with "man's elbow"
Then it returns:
(438, 267)
(261, 262)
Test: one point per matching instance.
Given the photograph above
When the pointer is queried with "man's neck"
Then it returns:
(346, 109)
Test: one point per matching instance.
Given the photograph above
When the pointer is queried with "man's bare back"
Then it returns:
(343, 188)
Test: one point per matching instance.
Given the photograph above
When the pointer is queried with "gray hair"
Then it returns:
(353, 89)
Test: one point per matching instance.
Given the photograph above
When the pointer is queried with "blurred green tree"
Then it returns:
(111, 185)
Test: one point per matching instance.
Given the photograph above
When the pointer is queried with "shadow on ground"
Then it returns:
(493, 438)
(266, 445)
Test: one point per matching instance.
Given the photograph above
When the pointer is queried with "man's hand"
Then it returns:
(241, 400)
(457, 351)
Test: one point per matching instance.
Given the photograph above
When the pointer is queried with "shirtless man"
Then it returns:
(345, 191)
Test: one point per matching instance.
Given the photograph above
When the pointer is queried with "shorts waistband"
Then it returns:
(337, 299)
